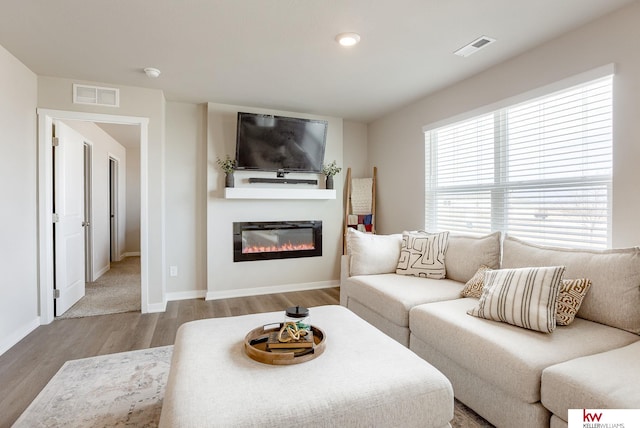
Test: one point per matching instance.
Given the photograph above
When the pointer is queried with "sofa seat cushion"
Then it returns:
(392, 296)
(608, 380)
(507, 356)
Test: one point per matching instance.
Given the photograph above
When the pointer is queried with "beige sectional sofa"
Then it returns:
(512, 376)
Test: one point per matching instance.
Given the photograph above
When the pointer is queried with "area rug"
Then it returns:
(116, 390)
(118, 290)
(125, 390)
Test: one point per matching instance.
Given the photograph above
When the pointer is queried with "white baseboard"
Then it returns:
(287, 288)
(130, 254)
(244, 292)
(156, 307)
(184, 295)
(98, 274)
(18, 335)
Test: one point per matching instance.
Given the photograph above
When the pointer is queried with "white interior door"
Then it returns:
(68, 202)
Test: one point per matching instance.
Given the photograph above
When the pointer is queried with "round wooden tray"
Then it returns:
(255, 345)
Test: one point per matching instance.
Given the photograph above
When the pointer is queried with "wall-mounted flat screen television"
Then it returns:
(277, 143)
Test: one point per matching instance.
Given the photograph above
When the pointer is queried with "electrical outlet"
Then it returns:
(173, 271)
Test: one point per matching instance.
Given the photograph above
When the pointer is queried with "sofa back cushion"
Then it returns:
(467, 253)
(614, 296)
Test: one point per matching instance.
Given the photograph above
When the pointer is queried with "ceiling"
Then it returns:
(281, 54)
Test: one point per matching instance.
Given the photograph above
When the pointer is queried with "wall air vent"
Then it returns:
(96, 95)
(474, 46)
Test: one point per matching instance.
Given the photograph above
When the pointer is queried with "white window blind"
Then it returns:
(540, 170)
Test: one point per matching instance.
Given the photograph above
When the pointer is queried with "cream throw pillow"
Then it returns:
(422, 254)
(372, 254)
(525, 297)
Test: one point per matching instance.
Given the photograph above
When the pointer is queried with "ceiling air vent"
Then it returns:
(96, 95)
(474, 46)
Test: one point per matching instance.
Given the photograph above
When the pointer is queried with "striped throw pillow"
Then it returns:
(525, 297)
(422, 254)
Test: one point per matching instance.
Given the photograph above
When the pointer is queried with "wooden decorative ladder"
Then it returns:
(366, 220)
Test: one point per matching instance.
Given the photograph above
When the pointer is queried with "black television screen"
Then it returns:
(276, 143)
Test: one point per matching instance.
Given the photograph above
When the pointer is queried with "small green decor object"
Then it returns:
(228, 165)
(331, 169)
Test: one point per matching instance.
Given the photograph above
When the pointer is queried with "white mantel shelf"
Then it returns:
(270, 193)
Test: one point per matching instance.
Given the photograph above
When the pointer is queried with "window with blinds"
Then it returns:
(540, 170)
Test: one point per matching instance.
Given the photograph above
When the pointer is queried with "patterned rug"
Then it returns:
(125, 390)
(116, 390)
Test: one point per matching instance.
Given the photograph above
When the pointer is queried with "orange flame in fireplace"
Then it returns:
(275, 248)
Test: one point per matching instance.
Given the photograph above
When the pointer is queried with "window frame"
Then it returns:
(499, 218)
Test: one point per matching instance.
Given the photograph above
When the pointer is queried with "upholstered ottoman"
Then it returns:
(363, 378)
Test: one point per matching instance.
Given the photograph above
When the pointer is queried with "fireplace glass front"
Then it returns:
(276, 240)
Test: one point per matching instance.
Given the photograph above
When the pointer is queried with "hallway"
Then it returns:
(116, 291)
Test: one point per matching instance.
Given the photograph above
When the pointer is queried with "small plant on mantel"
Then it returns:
(228, 165)
(330, 170)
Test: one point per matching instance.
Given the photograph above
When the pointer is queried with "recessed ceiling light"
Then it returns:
(152, 72)
(348, 39)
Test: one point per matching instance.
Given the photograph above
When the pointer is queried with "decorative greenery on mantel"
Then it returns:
(228, 165)
(331, 169)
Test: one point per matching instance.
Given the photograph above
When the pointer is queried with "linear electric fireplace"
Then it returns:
(276, 240)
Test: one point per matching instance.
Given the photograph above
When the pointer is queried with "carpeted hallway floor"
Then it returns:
(118, 290)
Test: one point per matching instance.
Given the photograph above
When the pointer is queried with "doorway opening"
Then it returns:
(89, 201)
(47, 268)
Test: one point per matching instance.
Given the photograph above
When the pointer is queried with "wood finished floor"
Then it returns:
(27, 367)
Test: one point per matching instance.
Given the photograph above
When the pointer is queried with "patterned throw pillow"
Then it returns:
(570, 298)
(473, 287)
(422, 254)
(525, 297)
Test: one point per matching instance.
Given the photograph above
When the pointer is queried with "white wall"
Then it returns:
(55, 93)
(355, 150)
(186, 194)
(103, 147)
(226, 278)
(18, 221)
(396, 142)
(132, 231)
